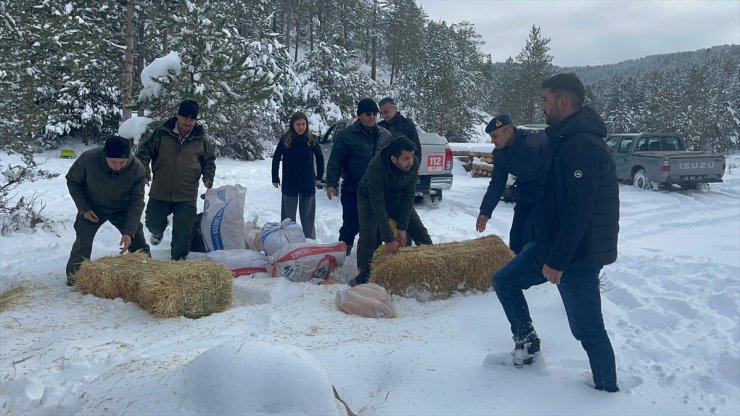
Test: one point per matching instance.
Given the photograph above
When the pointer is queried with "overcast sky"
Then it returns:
(594, 32)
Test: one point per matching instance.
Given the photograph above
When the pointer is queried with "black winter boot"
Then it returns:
(526, 349)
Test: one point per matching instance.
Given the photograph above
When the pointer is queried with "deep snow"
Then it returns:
(670, 306)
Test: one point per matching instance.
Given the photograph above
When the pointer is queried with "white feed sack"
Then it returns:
(241, 262)
(302, 262)
(223, 218)
(276, 235)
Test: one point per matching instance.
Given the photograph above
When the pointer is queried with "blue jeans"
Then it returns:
(579, 290)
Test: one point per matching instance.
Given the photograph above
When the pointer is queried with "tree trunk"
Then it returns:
(297, 29)
(165, 42)
(141, 61)
(128, 73)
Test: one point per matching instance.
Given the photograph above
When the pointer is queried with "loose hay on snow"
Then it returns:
(162, 287)
(437, 271)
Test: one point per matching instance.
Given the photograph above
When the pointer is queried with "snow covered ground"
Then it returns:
(670, 305)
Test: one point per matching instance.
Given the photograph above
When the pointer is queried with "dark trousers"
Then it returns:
(368, 242)
(182, 223)
(579, 290)
(350, 221)
(416, 231)
(85, 234)
(306, 207)
(522, 227)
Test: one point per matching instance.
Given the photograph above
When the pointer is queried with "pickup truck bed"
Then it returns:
(653, 169)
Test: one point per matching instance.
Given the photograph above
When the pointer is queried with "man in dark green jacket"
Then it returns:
(106, 185)
(386, 191)
(179, 154)
(398, 125)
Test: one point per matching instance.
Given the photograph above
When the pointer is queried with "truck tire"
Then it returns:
(641, 180)
(436, 197)
(703, 187)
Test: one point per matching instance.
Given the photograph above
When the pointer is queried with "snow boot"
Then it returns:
(526, 349)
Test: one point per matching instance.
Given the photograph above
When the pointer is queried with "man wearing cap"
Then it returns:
(353, 148)
(520, 155)
(179, 155)
(106, 184)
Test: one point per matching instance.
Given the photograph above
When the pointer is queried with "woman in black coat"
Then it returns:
(298, 149)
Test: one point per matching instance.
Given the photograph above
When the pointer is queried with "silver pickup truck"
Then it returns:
(435, 167)
(660, 160)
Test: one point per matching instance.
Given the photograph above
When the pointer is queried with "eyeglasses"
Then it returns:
(370, 114)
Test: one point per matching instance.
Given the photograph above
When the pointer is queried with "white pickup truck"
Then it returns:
(435, 166)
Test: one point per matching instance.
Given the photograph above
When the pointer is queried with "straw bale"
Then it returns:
(162, 287)
(437, 271)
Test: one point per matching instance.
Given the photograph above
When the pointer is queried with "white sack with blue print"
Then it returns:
(223, 218)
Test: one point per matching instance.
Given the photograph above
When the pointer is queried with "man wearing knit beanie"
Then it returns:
(106, 184)
(179, 155)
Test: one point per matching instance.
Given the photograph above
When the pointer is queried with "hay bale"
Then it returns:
(164, 288)
(437, 271)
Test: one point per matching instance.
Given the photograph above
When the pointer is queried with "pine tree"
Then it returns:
(535, 68)
(220, 70)
(403, 23)
(437, 87)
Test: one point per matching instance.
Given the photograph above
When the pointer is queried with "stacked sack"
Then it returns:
(222, 230)
(297, 260)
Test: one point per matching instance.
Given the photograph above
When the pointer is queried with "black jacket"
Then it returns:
(578, 214)
(389, 192)
(353, 148)
(299, 175)
(525, 159)
(401, 126)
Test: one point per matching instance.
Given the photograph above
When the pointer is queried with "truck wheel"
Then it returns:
(702, 187)
(640, 180)
(436, 197)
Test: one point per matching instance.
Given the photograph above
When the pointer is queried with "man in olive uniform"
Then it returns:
(179, 155)
(106, 184)
(398, 125)
(385, 192)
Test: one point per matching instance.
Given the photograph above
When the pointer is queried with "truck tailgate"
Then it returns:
(697, 165)
(432, 159)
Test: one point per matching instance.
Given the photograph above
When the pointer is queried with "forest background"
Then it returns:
(74, 71)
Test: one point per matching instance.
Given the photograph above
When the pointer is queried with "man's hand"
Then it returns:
(91, 216)
(207, 183)
(125, 243)
(330, 192)
(480, 224)
(551, 274)
(392, 247)
(401, 238)
(276, 184)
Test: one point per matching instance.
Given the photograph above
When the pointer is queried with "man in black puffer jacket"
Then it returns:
(577, 222)
(353, 148)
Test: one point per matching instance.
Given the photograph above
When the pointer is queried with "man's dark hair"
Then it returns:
(399, 144)
(567, 83)
(386, 100)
